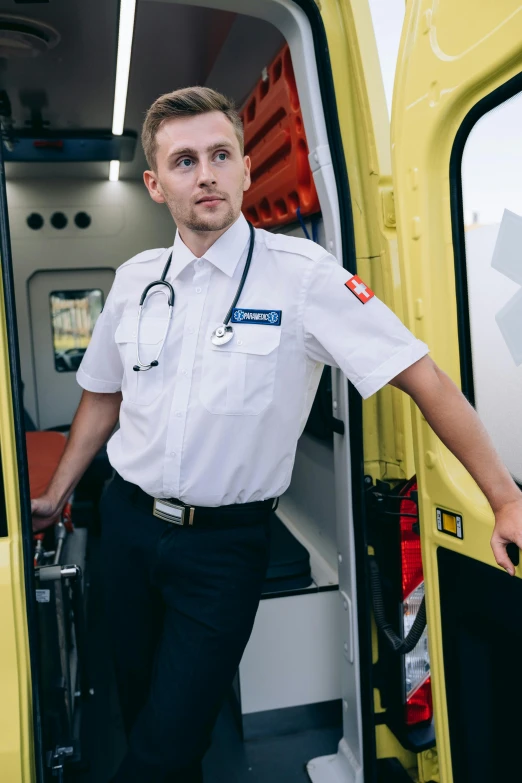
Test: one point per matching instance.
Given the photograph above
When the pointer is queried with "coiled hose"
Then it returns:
(398, 645)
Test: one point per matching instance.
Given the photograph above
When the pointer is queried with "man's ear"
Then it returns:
(247, 163)
(151, 181)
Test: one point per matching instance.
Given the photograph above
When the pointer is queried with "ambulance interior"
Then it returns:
(296, 695)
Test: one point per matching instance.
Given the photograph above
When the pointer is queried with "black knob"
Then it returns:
(136, 368)
(154, 363)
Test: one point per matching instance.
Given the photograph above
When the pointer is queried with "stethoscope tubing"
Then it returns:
(139, 366)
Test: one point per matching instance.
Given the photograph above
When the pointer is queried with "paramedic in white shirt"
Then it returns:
(215, 428)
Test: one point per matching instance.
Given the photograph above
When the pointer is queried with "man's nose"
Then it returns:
(206, 173)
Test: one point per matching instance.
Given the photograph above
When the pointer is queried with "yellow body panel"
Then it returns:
(16, 752)
(364, 125)
(452, 54)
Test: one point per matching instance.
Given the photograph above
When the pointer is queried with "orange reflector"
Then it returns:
(449, 523)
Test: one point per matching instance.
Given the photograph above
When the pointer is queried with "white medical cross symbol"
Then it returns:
(360, 288)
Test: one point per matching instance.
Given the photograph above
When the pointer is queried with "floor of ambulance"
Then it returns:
(280, 759)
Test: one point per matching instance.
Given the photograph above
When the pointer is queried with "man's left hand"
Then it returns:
(508, 529)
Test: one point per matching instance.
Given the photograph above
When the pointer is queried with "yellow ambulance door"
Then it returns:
(457, 164)
(19, 707)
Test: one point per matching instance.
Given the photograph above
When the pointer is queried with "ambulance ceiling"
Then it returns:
(72, 84)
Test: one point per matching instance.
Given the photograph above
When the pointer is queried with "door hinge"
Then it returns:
(388, 207)
(56, 759)
(428, 764)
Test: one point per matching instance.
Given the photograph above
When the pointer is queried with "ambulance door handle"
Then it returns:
(337, 425)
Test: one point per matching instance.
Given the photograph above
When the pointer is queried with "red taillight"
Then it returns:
(417, 695)
(410, 544)
(419, 707)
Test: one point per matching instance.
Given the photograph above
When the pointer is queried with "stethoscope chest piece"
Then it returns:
(222, 335)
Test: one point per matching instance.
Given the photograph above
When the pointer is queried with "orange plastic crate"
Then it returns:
(282, 180)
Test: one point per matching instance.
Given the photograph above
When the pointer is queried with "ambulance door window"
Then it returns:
(492, 216)
(63, 307)
(73, 315)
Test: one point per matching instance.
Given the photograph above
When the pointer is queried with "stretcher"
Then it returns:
(59, 560)
(44, 451)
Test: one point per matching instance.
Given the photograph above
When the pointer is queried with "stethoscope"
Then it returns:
(220, 336)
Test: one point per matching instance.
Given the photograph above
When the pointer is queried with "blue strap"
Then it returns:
(303, 224)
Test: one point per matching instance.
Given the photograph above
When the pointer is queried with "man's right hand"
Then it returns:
(45, 513)
(95, 419)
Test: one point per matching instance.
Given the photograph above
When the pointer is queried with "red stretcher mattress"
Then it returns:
(44, 450)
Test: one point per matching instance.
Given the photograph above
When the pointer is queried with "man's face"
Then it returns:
(200, 172)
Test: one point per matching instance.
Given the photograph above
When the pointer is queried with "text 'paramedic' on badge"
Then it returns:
(360, 289)
(240, 315)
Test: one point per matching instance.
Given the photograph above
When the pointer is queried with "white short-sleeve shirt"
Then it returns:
(214, 425)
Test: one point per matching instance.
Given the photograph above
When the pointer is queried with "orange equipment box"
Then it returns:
(282, 180)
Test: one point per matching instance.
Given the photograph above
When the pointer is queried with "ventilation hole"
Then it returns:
(298, 124)
(35, 221)
(264, 208)
(82, 220)
(277, 70)
(293, 198)
(252, 214)
(58, 220)
(281, 208)
(304, 174)
(251, 110)
(263, 88)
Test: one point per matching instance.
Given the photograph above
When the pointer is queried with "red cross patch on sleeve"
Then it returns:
(360, 289)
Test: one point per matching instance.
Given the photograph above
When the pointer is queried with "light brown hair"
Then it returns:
(187, 102)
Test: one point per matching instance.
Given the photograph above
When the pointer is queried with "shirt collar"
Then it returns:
(224, 253)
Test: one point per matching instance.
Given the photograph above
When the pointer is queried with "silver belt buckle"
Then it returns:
(172, 512)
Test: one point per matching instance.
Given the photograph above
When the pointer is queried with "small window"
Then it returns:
(73, 315)
(492, 210)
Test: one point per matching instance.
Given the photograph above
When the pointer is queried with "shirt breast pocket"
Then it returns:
(239, 377)
(145, 386)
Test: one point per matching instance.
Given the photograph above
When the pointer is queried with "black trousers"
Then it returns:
(181, 603)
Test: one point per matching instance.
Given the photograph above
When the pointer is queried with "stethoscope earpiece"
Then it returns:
(220, 336)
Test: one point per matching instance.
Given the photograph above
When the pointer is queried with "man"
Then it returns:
(211, 426)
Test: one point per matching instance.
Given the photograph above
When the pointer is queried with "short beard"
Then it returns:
(195, 223)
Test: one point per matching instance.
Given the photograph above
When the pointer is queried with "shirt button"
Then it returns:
(191, 329)
(184, 372)
(240, 342)
(179, 414)
(172, 453)
(198, 290)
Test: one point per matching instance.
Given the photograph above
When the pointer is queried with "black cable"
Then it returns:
(398, 645)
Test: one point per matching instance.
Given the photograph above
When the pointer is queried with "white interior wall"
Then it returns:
(125, 221)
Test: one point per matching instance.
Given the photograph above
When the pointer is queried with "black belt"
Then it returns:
(178, 513)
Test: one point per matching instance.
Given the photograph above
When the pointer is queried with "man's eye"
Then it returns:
(222, 156)
(184, 163)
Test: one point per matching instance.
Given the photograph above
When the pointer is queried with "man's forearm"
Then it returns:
(456, 423)
(93, 423)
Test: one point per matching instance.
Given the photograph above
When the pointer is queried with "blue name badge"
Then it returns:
(241, 315)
